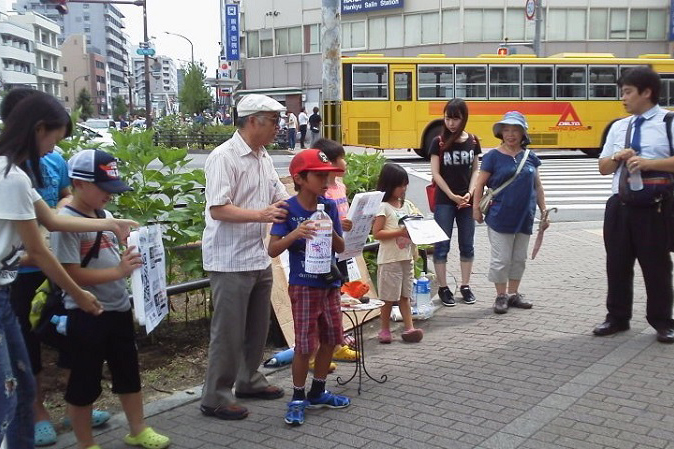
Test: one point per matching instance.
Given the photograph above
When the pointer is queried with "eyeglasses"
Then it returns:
(275, 119)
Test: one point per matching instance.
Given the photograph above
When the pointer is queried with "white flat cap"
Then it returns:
(254, 103)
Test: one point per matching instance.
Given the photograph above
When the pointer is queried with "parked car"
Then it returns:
(104, 137)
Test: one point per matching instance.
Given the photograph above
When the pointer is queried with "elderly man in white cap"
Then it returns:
(243, 194)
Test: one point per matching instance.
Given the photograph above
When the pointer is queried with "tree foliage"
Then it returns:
(119, 107)
(84, 103)
(195, 96)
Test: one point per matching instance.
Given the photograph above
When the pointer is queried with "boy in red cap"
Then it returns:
(315, 301)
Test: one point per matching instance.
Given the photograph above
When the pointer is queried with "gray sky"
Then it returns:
(198, 20)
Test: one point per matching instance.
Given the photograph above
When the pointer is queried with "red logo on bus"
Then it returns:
(569, 117)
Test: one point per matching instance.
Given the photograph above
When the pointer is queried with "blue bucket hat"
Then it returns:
(512, 118)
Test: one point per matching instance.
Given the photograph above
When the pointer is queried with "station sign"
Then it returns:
(231, 31)
(358, 6)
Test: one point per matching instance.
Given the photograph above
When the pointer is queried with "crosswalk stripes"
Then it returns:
(570, 184)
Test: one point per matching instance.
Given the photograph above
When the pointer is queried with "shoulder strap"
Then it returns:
(517, 172)
(93, 251)
(668, 126)
(628, 135)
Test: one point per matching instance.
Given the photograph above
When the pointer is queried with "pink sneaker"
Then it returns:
(385, 337)
(413, 335)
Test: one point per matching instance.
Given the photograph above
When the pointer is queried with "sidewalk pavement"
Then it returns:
(527, 379)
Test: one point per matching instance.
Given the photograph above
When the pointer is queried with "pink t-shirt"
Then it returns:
(338, 194)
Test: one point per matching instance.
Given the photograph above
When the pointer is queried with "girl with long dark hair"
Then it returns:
(454, 165)
(32, 129)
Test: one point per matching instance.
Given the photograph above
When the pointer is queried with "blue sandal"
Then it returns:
(45, 435)
(98, 418)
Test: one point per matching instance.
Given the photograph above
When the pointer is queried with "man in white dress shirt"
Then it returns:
(243, 195)
(639, 231)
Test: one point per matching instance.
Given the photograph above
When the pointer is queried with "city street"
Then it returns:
(533, 379)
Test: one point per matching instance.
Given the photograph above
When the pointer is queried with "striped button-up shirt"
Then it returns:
(237, 175)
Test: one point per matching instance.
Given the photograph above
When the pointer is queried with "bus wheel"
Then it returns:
(431, 134)
(592, 152)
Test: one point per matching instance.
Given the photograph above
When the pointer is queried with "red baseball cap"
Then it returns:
(311, 160)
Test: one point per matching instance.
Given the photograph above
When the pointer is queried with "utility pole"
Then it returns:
(538, 27)
(146, 63)
(332, 54)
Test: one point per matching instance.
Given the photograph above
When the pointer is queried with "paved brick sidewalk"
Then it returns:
(527, 379)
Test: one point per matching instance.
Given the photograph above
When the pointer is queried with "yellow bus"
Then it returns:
(568, 99)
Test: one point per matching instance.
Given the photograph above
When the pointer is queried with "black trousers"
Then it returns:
(637, 233)
(303, 135)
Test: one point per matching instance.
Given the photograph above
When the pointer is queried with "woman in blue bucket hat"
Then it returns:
(510, 217)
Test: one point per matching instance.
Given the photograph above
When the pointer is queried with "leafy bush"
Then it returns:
(362, 172)
(157, 189)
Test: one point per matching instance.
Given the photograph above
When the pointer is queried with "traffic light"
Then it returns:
(60, 5)
(502, 51)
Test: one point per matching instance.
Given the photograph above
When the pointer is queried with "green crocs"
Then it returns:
(149, 439)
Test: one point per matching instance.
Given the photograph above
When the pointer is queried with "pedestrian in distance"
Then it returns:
(33, 127)
(109, 336)
(454, 166)
(510, 218)
(395, 258)
(243, 193)
(315, 126)
(315, 301)
(292, 130)
(55, 192)
(303, 120)
(638, 218)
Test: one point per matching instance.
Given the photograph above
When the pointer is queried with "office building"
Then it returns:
(103, 26)
(83, 69)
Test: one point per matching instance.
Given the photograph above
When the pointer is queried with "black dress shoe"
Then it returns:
(610, 328)
(666, 336)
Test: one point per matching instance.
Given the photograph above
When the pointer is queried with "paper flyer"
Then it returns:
(148, 283)
(362, 213)
(425, 232)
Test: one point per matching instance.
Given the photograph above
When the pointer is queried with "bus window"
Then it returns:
(667, 91)
(571, 81)
(537, 82)
(603, 81)
(435, 82)
(403, 86)
(370, 81)
(471, 81)
(504, 81)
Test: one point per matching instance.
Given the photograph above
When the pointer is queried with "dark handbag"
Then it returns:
(657, 185)
(48, 300)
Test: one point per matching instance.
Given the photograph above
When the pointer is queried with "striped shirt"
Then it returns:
(237, 175)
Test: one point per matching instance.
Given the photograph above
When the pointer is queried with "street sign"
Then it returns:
(145, 51)
(530, 9)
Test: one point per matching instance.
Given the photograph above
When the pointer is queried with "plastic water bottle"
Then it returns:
(636, 183)
(318, 252)
(60, 322)
(280, 358)
(423, 294)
